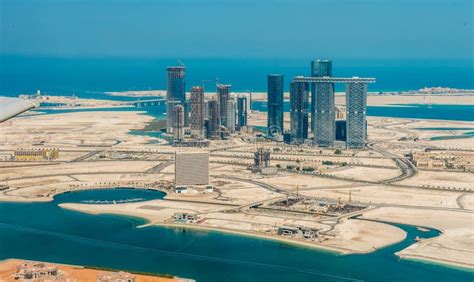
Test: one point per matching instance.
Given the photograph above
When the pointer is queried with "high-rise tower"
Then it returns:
(213, 120)
(241, 112)
(275, 104)
(355, 133)
(178, 118)
(356, 112)
(322, 104)
(196, 120)
(223, 92)
(230, 119)
(299, 92)
(175, 92)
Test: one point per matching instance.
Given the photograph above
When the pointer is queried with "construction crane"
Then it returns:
(209, 80)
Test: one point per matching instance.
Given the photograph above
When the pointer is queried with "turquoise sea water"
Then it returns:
(418, 111)
(43, 231)
(444, 128)
(88, 76)
(469, 134)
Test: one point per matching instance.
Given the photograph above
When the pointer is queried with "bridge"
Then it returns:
(148, 102)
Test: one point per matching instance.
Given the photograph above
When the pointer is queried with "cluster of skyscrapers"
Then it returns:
(197, 117)
(327, 132)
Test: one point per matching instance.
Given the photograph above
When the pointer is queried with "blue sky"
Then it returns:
(241, 29)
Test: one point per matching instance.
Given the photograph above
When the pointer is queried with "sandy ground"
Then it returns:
(388, 99)
(73, 129)
(366, 173)
(348, 237)
(364, 236)
(292, 181)
(77, 134)
(442, 179)
(454, 246)
(387, 195)
(8, 270)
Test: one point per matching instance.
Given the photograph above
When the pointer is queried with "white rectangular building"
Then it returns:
(192, 168)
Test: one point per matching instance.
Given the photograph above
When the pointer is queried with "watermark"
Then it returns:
(274, 131)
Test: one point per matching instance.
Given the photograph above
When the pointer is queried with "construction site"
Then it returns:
(246, 184)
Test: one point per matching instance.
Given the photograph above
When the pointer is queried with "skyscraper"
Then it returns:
(356, 111)
(187, 110)
(324, 115)
(223, 92)
(178, 119)
(196, 120)
(299, 92)
(241, 112)
(230, 119)
(275, 104)
(213, 128)
(322, 105)
(319, 68)
(175, 92)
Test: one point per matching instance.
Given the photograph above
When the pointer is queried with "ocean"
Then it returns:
(89, 77)
(418, 111)
(44, 231)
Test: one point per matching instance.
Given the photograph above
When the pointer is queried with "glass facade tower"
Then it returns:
(356, 105)
(319, 68)
(196, 120)
(213, 126)
(241, 112)
(299, 103)
(324, 114)
(223, 93)
(275, 104)
(322, 105)
(175, 93)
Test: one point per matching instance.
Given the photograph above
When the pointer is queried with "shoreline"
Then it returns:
(430, 261)
(296, 243)
(421, 258)
(315, 246)
(289, 242)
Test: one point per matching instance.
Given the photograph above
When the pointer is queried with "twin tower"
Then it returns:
(323, 107)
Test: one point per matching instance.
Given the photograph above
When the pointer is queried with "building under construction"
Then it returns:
(261, 162)
(261, 158)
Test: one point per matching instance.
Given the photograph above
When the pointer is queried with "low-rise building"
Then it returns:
(36, 271)
(185, 217)
(181, 189)
(36, 154)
